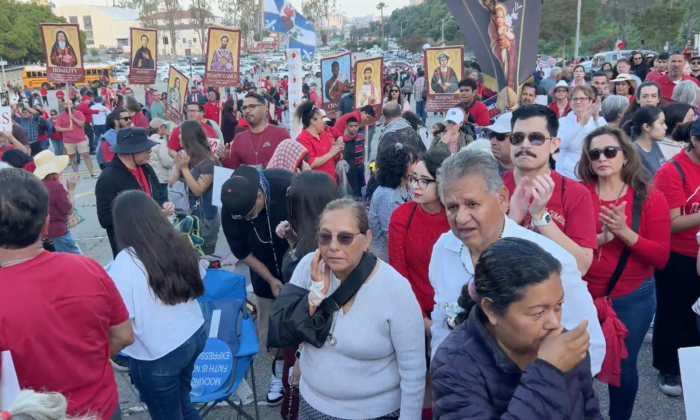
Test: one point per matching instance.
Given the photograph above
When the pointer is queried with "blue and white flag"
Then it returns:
(281, 16)
(272, 17)
(303, 36)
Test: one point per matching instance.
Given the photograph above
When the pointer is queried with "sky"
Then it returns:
(355, 8)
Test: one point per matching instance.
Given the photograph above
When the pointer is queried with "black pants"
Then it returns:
(46, 100)
(90, 136)
(675, 327)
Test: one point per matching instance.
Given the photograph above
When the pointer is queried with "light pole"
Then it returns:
(578, 27)
(443, 28)
(402, 27)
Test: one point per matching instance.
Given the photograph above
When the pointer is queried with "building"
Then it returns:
(187, 34)
(104, 26)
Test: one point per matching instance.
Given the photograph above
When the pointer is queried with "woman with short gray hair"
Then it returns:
(686, 91)
(612, 109)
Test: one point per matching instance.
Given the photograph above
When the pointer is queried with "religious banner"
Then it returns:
(368, 85)
(443, 72)
(335, 79)
(143, 59)
(177, 90)
(64, 57)
(503, 36)
(295, 93)
(223, 57)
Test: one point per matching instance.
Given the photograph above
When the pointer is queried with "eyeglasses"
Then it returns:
(344, 238)
(251, 107)
(695, 63)
(498, 136)
(580, 99)
(125, 118)
(192, 111)
(536, 139)
(422, 182)
(609, 152)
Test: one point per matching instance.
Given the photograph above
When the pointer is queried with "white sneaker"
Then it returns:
(276, 393)
(670, 385)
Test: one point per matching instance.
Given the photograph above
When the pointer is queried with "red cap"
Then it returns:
(85, 98)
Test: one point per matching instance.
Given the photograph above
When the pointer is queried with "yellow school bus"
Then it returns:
(35, 76)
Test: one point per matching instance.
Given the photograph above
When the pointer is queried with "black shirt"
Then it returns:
(258, 236)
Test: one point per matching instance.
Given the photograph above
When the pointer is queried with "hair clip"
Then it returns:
(5, 415)
(398, 146)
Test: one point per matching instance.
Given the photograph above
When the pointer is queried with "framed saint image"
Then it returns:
(444, 71)
(368, 84)
(177, 90)
(335, 79)
(143, 59)
(64, 57)
(223, 57)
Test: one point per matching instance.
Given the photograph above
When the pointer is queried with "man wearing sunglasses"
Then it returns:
(115, 121)
(695, 67)
(541, 199)
(254, 202)
(499, 134)
(195, 112)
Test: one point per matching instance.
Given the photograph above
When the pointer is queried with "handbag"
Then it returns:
(74, 218)
(622, 262)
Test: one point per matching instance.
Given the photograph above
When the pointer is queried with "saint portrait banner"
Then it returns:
(294, 89)
(503, 36)
(64, 57)
(368, 85)
(443, 72)
(143, 59)
(177, 90)
(335, 79)
(223, 57)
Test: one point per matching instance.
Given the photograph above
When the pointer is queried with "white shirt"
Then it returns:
(572, 134)
(101, 118)
(447, 277)
(158, 328)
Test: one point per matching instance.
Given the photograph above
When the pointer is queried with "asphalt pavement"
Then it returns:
(651, 403)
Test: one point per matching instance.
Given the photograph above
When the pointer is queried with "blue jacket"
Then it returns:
(474, 379)
(110, 136)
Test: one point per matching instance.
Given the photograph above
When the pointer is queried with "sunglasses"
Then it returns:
(125, 118)
(422, 182)
(695, 63)
(344, 238)
(498, 136)
(394, 90)
(609, 152)
(536, 139)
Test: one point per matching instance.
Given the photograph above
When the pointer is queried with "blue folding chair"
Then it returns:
(231, 345)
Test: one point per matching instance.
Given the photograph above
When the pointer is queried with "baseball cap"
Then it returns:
(85, 98)
(312, 84)
(157, 123)
(454, 115)
(502, 124)
(695, 129)
(238, 193)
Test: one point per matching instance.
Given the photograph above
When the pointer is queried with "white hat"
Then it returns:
(561, 84)
(323, 114)
(502, 124)
(455, 115)
(482, 145)
(48, 163)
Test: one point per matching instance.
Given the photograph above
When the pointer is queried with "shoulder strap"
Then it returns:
(680, 170)
(351, 285)
(410, 218)
(622, 262)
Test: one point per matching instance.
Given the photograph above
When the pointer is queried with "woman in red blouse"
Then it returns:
(613, 172)
(323, 150)
(678, 283)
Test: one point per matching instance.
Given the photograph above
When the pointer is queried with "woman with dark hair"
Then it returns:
(676, 113)
(393, 93)
(323, 150)
(18, 159)
(417, 125)
(512, 357)
(394, 169)
(229, 121)
(648, 129)
(308, 195)
(579, 76)
(678, 283)
(647, 94)
(633, 231)
(159, 279)
(607, 68)
(194, 165)
(160, 159)
(639, 65)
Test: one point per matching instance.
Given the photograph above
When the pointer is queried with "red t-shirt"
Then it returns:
(683, 195)
(141, 179)
(574, 207)
(212, 111)
(77, 134)
(318, 147)
(55, 322)
(59, 207)
(667, 86)
(253, 149)
(44, 92)
(174, 139)
(480, 113)
(649, 252)
(411, 247)
(140, 120)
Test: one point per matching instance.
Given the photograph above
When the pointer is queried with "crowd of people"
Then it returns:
(519, 264)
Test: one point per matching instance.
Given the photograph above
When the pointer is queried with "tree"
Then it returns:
(654, 22)
(381, 6)
(559, 22)
(20, 41)
(621, 13)
(200, 16)
(146, 9)
(172, 18)
(412, 43)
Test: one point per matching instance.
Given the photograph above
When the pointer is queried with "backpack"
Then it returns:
(178, 194)
(407, 86)
(424, 94)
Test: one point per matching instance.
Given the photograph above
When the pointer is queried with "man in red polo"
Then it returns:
(362, 115)
(676, 63)
(467, 94)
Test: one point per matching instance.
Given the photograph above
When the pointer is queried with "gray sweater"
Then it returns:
(378, 362)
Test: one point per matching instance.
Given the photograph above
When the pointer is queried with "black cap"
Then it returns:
(132, 140)
(238, 194)
(695, 129)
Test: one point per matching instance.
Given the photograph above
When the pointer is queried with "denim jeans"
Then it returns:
(164, 384)
(99, 131)
(57, 147)
(636, 311)
(420, 111)
(66, 243)
(38, 146)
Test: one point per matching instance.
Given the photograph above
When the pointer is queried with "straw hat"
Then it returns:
(560, 84)
(623, 77)
(47, 163)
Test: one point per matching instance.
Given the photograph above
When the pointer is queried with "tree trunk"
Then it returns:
(689, 27)
(563, 50)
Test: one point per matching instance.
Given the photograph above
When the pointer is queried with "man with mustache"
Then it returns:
(542, 199)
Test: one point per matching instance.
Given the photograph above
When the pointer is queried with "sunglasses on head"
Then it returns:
(344, 238)
(498, 136)
(609, 152)
(536, 139)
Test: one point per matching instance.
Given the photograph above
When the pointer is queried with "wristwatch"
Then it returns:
(544, 221)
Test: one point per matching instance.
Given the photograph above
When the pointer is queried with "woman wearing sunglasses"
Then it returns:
(630, 247)
(394, 94)
(678, 283)
(372, 339)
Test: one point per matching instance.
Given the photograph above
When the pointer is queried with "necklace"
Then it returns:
(461, 249)
(269, 230)
(600, 205)
(250, 140)
(20, 261)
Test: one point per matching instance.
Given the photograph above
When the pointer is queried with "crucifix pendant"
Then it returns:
(331, 340)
